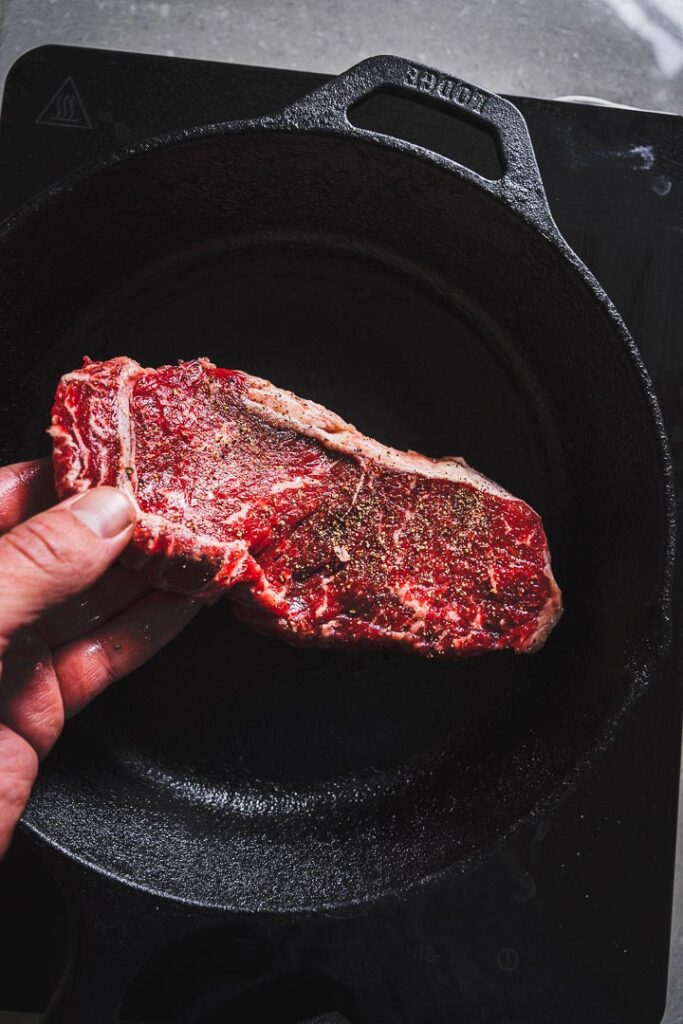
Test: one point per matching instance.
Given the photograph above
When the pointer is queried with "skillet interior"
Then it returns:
(233, 770)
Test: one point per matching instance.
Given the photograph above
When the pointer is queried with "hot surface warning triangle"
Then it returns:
(65, 109)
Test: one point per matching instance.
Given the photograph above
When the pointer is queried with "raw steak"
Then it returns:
(317, 533)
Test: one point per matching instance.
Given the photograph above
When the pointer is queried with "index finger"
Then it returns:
(25, 489)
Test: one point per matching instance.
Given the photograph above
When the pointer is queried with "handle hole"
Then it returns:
(432, 124)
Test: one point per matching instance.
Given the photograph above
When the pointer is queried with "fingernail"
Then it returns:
(105, 511)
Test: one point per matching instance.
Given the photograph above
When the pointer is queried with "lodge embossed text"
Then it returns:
(445, 88)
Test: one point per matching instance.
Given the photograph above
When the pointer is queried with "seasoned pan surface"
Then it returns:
(437, 311)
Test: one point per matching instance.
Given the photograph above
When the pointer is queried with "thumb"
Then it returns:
(59, 553)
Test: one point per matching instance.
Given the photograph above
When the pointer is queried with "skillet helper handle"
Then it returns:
(328, 107)
(114, 931)
(90, 990)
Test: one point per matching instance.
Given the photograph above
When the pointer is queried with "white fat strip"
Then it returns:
(239, 514)
(359, 485)
(128, 372)
(289, 485)
(284, 410)
(178, 501)
(324, 604)
(406, 596)
(275, 596)
(341, 551)
(410, 637)
(64, 440)
(126, 432)
(329, 629)
(175, 498)
(82, 447)
(235, 571)
(408, 516)
(154, 524)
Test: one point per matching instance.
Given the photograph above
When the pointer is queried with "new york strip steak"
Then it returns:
(316, 532)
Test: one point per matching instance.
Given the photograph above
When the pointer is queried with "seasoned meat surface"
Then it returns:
(314, 531)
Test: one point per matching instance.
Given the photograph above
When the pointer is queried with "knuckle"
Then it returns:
(11, 475)
(40, 544)
(45, 724)
(19, 767)
(15, 789)
(85, 676)
(14, 477)
(104, 667)
(31, 702)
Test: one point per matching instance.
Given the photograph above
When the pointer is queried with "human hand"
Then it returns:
(71, 622)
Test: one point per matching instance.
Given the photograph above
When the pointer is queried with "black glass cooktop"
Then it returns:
(570, 921)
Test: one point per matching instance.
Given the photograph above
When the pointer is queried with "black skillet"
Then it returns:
(438, 310)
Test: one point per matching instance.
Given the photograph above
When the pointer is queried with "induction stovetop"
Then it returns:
(569, 922)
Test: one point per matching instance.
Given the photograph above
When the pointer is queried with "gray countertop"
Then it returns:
(624, 51)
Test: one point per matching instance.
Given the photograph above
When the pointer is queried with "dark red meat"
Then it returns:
(317, 533)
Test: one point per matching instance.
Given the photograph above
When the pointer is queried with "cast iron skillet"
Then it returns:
(437, 310)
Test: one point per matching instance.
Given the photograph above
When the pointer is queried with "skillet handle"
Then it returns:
(114, 931)
(327, 108)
